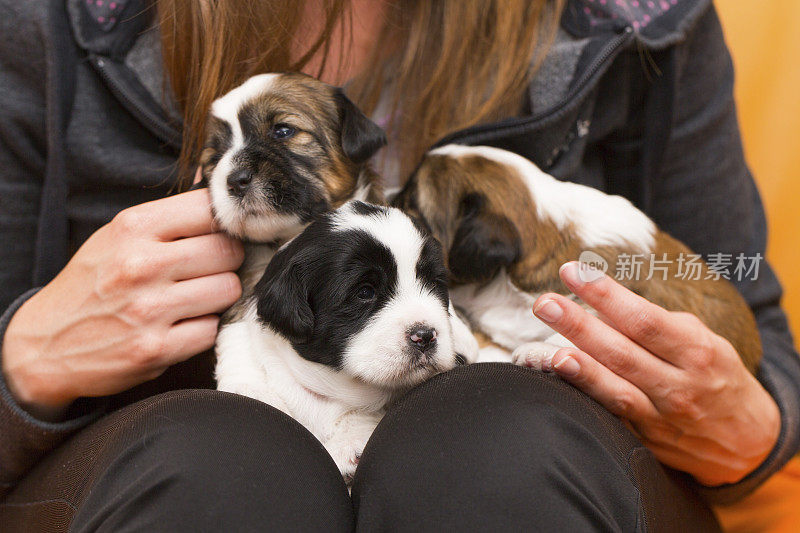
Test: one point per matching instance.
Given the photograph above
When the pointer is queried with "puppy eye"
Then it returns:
(366, 292)
(282, 131)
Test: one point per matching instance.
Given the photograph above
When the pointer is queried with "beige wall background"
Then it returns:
(764, 38)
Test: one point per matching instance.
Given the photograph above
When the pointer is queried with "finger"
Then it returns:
(198, 175)
(203, 296)
(605, 320)
(649, 325)
(616, 394)
(190, 337)
(610, 347)
(708, 469)
(203, 255)
(183, 215)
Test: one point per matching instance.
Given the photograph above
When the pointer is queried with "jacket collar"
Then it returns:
(106, 31)
(656, 24)
(108, 27)
(604, 28)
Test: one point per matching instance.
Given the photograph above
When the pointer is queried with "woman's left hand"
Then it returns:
(682, 388)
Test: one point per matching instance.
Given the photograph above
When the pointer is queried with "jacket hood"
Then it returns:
(657, 24)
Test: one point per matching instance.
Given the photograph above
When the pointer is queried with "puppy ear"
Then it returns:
(360, 137)
(483, 243)
(282, 301)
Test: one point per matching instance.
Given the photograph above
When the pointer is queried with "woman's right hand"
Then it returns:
(141, 294)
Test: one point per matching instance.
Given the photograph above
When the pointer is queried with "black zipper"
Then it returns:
(479, 132)
(157, 126)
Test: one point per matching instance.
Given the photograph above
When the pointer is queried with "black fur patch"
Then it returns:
(431, 271)
(284, 176)
(361, 137)
(309, 291)
(220, 139)
(483, 243)
(363, 208)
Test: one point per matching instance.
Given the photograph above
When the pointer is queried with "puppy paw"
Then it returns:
(349, 471)
(349, 437)
(536, 355)
(347, 458)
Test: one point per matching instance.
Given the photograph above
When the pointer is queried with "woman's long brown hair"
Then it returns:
(451, 64)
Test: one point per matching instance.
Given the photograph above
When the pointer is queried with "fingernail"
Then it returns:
(576, 274)
(568, 367)
(549, 311)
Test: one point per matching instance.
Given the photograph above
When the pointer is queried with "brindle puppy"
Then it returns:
(282, 149)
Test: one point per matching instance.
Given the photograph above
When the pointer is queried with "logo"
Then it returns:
(592, 266)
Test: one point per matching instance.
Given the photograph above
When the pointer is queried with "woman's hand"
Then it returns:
(682, 388)
(141, 294)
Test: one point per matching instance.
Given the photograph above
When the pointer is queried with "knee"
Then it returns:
(485, 438)
(204, 453)
(500, 410)
(212, 436)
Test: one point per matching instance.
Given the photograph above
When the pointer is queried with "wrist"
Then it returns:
(25, 373)
(768, 418)
(759, 430)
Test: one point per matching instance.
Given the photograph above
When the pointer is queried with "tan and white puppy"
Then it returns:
(280, 150)
(507, 227)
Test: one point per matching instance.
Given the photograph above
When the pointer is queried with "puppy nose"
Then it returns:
(239, 181)
(422, 337)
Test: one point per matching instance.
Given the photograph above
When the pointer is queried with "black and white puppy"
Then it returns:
(280, 150)
(347, 315)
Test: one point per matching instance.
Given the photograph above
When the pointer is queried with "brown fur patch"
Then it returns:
(714, 301)
(441, 183)
(310, 107)
(484, 340)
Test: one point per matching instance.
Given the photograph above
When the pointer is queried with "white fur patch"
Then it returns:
(390, 227)
(339, 410)
(464, 342)
(262, 226)
(362, 192)
(598, 218)
(501, 310)
(505, 313)
(379, 352)
(227, 107)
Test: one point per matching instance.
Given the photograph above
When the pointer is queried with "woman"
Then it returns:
(108, 285)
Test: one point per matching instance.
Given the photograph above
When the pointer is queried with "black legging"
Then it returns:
(488, 447)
